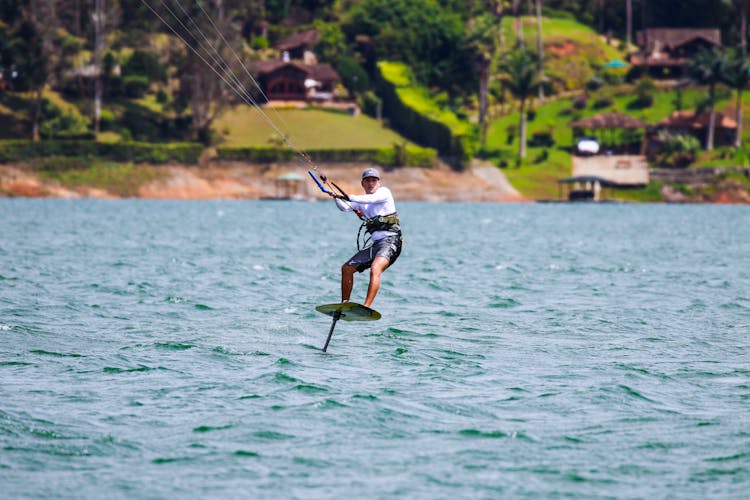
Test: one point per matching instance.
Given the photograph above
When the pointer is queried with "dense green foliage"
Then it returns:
(419, 33)
(396, 156)
(21, 150)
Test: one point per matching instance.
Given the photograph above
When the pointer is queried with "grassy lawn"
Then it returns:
(557, 31)
(539, 180)
(306, 128)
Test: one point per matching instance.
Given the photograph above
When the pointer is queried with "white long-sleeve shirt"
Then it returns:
(371, 205)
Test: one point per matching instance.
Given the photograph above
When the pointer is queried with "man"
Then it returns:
(378, 210)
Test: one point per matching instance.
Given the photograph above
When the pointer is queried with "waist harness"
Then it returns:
(388, 222)
(383, 223)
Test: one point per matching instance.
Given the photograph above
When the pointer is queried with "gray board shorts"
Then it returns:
(388, 247)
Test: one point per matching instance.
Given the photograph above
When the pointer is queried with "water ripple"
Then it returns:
(171, 349)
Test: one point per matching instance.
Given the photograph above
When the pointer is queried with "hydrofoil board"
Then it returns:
(349, 311)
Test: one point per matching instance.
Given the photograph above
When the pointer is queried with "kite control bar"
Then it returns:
(326, 191)
(322, 188)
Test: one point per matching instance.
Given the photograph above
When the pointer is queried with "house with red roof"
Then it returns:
(296, 75)
(688, 122)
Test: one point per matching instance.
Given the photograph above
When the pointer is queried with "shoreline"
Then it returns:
(482, 182)
(243, 181)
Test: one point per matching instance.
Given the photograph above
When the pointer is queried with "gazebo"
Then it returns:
(584, 187)
(594, 125)
(288, 186)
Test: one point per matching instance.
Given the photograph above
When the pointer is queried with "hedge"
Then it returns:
(395, 156)
(157, 153)
(412, 113)
(136, 152)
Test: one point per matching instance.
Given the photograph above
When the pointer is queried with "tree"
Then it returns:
(43, 55)
(737, 75)
(520, 76)
(707, 67)
(105, 19)
(213, 41)
(419, 33)
(540, 45)
(741, 8)
(628, 23)
(483, 41)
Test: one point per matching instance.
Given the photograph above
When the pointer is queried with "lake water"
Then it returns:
(153, 349)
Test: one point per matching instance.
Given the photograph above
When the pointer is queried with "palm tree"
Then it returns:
(737, 75)
(520, 76)
(707, 67)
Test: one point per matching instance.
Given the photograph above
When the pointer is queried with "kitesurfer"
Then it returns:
(378, 211)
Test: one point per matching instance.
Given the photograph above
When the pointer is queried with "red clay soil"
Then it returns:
(231, 180)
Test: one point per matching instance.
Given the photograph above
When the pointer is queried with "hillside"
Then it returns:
(573, 52)
(155, 93)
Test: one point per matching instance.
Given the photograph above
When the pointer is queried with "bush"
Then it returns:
(541, 140)
(641, 102)
(594, 83)
(644, 91)
(614, 76)
(677, 150)
(581, 101)
(135, 86)
(603, 102)
(162, 97)
(542, 157)
(107, 119)
(144, 64)
(260, 43)
(65, 125)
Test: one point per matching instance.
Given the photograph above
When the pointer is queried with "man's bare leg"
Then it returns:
(378, 266)
(347, 282)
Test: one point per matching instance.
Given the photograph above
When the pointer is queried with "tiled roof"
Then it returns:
(309, 37)
(687, 119)
(322, 72)
(671, 38)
